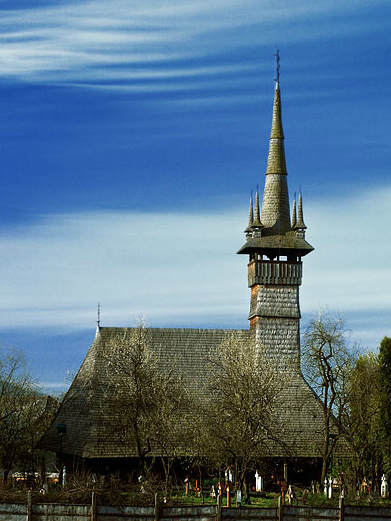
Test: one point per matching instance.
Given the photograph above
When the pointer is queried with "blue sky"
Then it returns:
(131, 136)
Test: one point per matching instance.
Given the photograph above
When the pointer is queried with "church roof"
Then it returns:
(85, 410)
(89, 419)
(277, 244)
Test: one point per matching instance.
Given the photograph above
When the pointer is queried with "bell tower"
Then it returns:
(275, 243)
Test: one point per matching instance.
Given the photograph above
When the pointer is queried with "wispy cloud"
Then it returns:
(133, 264)
(74, 41)
(182, 269)
(350, 268)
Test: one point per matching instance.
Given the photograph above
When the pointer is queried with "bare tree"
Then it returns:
(20, 417)
(147, 401)
(241, 414)
(171, 428)
(327, 364)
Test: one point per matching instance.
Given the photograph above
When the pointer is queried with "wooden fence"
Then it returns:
(94, 512)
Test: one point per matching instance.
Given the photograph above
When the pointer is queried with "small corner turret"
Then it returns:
(299, 226)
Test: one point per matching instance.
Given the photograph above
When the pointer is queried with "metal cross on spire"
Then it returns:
(98, 321)
(277, 55)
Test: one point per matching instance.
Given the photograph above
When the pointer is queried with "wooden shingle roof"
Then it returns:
(89, 420)
(279, 244)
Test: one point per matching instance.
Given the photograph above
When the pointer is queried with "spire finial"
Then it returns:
(277, 55)
(276, 159)
(98, 322)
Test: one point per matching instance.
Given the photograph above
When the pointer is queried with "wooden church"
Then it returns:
(275, 245)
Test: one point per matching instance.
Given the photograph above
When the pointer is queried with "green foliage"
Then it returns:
(365, 418)
(385, 385)
(385, 400)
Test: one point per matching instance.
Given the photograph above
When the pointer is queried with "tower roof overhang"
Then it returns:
(277, 245)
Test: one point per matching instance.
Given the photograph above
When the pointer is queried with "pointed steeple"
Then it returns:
(294, 215)
(275, 233)
(248, 230)
(257, 219)
(276, 160)
(300, 220)
(275, 206)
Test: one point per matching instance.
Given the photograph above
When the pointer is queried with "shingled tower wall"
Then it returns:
(275, 244)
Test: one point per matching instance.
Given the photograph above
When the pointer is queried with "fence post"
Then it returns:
(341, 509)
(156, 507)
(280, 509)
(29, 506)
(93, 507)
(218, 508)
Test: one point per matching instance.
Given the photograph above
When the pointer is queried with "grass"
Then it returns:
(130, 495)
(270, 500)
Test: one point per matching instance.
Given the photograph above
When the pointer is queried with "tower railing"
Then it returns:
(269, 272)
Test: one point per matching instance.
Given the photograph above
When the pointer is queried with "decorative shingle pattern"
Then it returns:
(89, 416)
(277, 244)
(87, 411)
(275, 301)
(277, 132)
(275, 215)
(279, 338)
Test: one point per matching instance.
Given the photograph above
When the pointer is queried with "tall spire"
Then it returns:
(276, 160)
(276, 244)
(276, 233)
(277, 131)
(275, 206)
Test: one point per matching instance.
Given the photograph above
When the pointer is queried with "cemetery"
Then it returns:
(222, 502)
